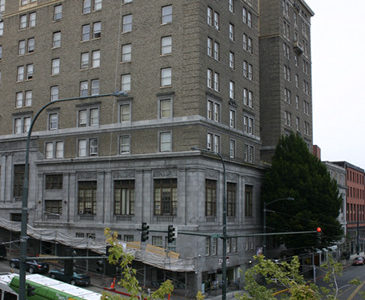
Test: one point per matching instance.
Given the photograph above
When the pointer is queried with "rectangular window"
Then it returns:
(93, 147)
(87, 197)
(231, 60)
(95, 87)
(54, 182)
(166, 14)
(94, 116)
(209, 141)
(127, 23)
(20, 73)
(209, 78)
(57, 15)
(124, 144)
(209, 16)
(232, 149)
(84, 88)
(23, 21)
(287, 118)
(32, 19)
(84, 60)
(231, 90)
(21, 47)
(125, 112)
(209, 47)
(126, 52)
(165, 197)
(28, 98)
(56, 66)
(250, 72)
(53, 121)
(216, 20)
(210, 198)
(49, 150)
(231, 199)
(18, 126)
(82, 148)
(214, 246)
(124, 197)
(249, 19)
(166, 77)
(56, 39)
(207, 246)
(31, 45)
(165, 108)
(230, 6)
(232, 119)
(30, 69)
(248, 123)
(166, 45)
(248, 201)
(126, 82)
(96, 30)
(86, 7)
(85, 32)
(1, 28)
(165, 142)
(244, 15)
(2, 5)
(245, 68)
(19, 171)
(216, 82)
(53, 208)
(216, 143)
(216, 51)
(231, 32)
(19, 99)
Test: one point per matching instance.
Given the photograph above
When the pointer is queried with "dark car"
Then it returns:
(32, 266)
(74, 279)
(358, 261)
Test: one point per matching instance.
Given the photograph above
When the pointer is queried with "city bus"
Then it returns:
(40, 287)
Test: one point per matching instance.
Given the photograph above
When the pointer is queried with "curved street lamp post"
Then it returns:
(24, 218)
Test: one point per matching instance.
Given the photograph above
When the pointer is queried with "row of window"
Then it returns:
(287, 99)
(355, 193)
(355, 176)
(355, 212)
(288, 122)
(213, 17)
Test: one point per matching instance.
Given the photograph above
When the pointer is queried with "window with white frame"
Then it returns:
(287, 76)
(124, 144)
(124, 112)
(19, 96)
(166, 14)
(84, 60)
(125, 82)
(31, 45)
(244, 41)
(213, 110)
(30, 71)
(84, 88)
(296, 80)
(22, 124)
(32, 19)
(232, 118)
(216, 51)
(231, 90)
(96, 30)
(231, 60)
(245, 69)
(209, 16)
(49, 150)
(57, 14)
(166, 74)
(209, 141)
(297, 123)
(216, 143)
(53, 121)
(216, 81)
(2, 5)
(165, 142)
(56, 66)
(248, 123)
(87, 147)
(232, 148)
(209, 78)
(127, 23)
(86, 6)
(88, 117)
(98, 4)
(1, 28)
(306, 128)
(85, 32)
(165, 108)
(21, 47)
(20, 73)
(124, 198)
(287, 95)
(248, 153)
(216, 20)
(95, 87)
(247, 97)
(54, 150)
(166, 45)
(297, 102)
(210, 47)
(207, 246)
(23, 21)
(126, 52)
(28, 98)
(231, 31)
(287, 118)
(244, 15)
(306, 107)
(250, 72)
(249, 45)
(231, 5)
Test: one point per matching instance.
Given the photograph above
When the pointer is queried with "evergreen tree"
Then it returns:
(296, 173)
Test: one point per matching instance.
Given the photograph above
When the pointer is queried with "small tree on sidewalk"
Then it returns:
(117, 256)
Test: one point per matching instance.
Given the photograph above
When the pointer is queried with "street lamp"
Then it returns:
(24, 218)
(224, 221)
(265, 210)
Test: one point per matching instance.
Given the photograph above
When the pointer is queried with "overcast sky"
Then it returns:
(338, 67)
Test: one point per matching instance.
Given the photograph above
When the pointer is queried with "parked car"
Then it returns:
(74, 279)
(32, 266)
(358, 261)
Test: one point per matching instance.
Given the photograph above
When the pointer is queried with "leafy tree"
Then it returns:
(296, 173)
(118, 256)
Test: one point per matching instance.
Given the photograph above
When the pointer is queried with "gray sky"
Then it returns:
(338, 65)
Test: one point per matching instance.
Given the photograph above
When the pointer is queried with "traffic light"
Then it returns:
(100, 266)
(319, 236)
(30, 290)
(170, 234)
(145, 232)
